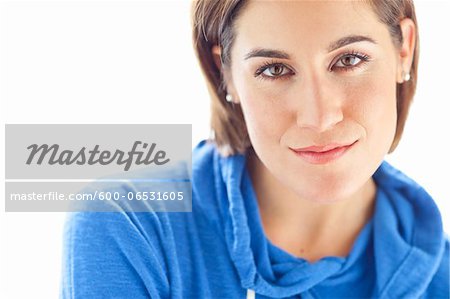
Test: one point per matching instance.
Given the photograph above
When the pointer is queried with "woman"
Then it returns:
(291, 197)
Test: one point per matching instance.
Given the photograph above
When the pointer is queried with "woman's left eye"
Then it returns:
(349, 61)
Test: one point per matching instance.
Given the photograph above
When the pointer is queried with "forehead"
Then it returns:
(304, 24)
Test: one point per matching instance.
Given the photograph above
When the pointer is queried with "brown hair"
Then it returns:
(212, 24)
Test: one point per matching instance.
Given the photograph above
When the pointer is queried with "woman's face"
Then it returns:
(313, 73)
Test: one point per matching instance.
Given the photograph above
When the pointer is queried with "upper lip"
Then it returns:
(322, 148)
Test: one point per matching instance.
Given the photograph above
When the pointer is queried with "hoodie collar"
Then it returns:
(404, 217)
(408, 219)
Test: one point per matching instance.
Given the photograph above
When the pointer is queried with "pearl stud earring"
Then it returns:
(229, 98)
(406, 76)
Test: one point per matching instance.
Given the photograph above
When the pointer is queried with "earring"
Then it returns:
(406, 77)
(229, 98)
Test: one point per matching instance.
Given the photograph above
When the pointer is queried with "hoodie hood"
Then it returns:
(395, 255)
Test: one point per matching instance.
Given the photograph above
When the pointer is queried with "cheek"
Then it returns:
(376, 104)
(264, 114)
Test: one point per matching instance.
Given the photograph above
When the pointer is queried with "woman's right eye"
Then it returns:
(272, 71)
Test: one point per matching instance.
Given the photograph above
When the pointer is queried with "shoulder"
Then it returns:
(110, 254)
(117, 248)
(440, 284)
(421, 225)
(406, 193)
(389, 176)
(135, 200)
(125, 197)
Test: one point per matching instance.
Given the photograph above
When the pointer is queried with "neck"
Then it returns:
(305, 228)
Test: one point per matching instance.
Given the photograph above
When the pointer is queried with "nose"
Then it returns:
(320, 105)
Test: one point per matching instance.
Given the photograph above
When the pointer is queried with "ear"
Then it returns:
(406, 53)
(226, 74)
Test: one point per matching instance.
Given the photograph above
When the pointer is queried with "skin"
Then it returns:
(318, 97)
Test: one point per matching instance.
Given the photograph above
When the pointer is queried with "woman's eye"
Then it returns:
(349, 61)
(272, 71)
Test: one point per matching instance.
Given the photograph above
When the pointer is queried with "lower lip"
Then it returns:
(323, 157)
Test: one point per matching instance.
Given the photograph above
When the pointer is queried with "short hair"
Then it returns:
(213, 24)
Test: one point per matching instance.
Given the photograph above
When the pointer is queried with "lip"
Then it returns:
(322, 154)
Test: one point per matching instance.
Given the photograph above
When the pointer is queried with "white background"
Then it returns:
(132, 62)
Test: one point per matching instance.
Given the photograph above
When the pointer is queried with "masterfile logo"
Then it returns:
(68, 167)
(67, 157)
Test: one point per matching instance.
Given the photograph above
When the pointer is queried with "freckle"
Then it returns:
(302, 250)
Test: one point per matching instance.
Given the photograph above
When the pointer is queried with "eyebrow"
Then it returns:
(350, 39)
(259, 52)
(346, 40)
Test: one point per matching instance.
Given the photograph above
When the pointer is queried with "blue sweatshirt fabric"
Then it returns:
(219, 250)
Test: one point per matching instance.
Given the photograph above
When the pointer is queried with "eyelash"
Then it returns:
(268, 64)
(363, 57)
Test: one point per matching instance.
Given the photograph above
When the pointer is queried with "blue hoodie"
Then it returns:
(219, 249)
